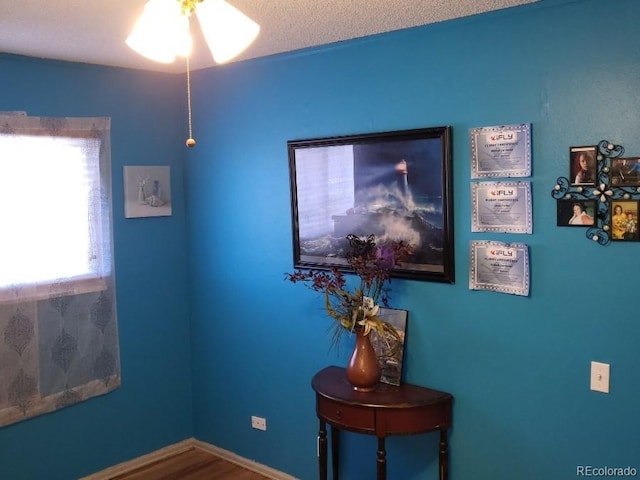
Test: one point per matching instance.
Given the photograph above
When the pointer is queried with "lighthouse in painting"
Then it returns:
(401, 168)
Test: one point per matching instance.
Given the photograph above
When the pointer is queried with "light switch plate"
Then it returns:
(600, 377)
(259, 423)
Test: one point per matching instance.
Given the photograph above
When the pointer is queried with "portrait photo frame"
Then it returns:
(583, 165)
(576, 213)
(394, 185)
(624, 220)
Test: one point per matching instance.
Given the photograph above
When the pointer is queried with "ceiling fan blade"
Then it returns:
(161, 32)
(227, 31)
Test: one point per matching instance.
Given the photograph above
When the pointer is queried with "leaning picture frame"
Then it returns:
(390, 348)
(394, 185)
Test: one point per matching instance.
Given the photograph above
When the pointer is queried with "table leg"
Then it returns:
(322, 450)
(382, 460)
(444, 456)
(335, 452)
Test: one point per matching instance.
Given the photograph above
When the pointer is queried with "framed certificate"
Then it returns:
(501, 151)
(499, 267)
(501, 207)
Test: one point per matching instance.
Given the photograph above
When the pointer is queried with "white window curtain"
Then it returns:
(58, 322)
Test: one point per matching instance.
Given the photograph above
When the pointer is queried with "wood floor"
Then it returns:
(194, 464)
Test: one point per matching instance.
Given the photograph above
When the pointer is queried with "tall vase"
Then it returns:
(363, 369)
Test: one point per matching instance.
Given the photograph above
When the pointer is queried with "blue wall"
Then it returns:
(518, 367)
(153, 407)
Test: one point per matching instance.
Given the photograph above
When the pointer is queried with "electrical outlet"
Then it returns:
(259, 423)
(600, 377)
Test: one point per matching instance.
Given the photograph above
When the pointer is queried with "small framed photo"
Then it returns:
(390, 350)
(577, 213)
(624, 220)
(583, 166)
(625, 172)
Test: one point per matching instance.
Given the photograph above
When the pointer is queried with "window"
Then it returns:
(51, 208)
(58, 315)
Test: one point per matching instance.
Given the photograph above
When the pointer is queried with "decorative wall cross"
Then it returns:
(606, 189)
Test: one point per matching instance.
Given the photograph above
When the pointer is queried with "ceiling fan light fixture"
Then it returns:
(161, 32)
(227, 31)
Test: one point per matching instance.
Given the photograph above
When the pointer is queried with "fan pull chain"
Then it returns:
(190, 141)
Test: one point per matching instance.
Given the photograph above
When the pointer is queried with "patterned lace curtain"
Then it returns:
(58, 323)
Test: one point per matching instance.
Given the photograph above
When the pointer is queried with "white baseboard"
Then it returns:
(142, 461)
(180, 447)
(243, 462)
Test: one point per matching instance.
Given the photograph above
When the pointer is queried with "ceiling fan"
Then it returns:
(161, 34)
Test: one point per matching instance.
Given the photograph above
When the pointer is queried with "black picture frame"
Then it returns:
(624, 220)
(395, 185)
(577, 213)
(583, 165)
(625, 172)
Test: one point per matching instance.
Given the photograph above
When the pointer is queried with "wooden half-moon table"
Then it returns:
(388, 410)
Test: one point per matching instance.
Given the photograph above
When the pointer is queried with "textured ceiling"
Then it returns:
(93, 31)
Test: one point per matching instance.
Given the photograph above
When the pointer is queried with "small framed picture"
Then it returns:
(576, 213)
(583, 165)
(625, 172)
(624, 220)
(147, 191)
